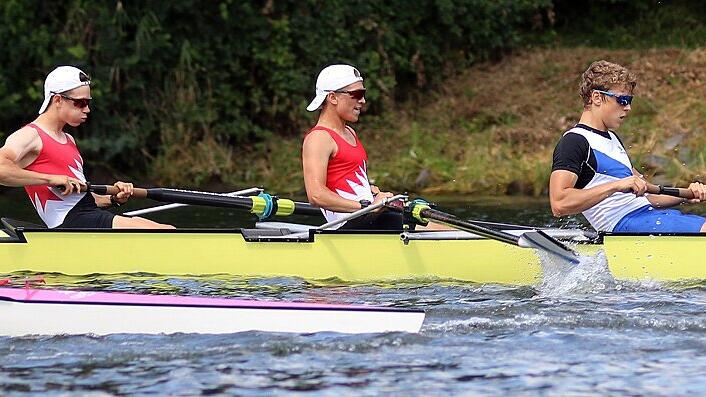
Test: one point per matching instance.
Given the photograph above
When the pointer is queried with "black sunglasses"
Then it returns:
(355, 94)
(78, 102)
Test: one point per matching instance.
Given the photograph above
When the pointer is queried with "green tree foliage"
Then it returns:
(177, 83)
(631, 23)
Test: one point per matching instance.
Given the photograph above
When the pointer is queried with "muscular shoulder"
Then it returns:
(22, 143)
(317, 135)
(319, 142)
(24, 133)
(571, 151)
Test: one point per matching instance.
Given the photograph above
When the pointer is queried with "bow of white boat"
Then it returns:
(53, 312)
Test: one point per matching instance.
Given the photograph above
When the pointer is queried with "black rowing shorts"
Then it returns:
(86, 215)
(376, 221)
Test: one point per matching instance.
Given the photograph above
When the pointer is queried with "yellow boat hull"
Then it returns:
(349, 256)
(662, 258)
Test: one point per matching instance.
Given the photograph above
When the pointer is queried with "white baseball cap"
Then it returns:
(332, 78)
(62, 79)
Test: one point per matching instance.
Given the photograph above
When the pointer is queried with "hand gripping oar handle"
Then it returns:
(263, 205)
(670, 191)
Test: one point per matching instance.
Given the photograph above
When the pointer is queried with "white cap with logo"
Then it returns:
(62, 79)
(332, 78)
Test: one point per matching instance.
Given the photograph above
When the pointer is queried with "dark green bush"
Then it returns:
(631, 23)
(169, 76)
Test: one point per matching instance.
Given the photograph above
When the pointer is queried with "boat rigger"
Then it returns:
(31, 311)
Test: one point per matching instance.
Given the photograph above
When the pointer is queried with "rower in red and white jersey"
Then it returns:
(58, 158)
(46, 161)
(334, 159)
(347, 172)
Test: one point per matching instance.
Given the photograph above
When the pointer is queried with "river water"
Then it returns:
(579, 334)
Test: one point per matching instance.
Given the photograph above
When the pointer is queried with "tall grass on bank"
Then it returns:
(493, 129)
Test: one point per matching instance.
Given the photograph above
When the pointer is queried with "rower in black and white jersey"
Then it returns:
(592, 173)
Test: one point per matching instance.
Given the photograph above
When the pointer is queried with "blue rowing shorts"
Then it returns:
(648, 219)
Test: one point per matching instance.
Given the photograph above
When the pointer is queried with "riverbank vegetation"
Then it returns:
(464, 96)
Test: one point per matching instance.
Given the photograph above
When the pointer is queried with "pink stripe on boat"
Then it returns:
(87, 297)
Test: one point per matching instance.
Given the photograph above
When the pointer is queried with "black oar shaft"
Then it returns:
(204, 198)
(183, 197)
(455, 222)
(450, 220)
(528, 239)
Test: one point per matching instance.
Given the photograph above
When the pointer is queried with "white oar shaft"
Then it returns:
(177, 205)
(362, 211)
(153, 209)
(352, 215)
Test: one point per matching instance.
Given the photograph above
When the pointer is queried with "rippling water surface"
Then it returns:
(579, 332)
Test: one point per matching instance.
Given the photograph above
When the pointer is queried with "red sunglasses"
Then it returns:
(355, 94)
(78, 102)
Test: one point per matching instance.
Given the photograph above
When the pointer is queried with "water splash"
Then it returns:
(590, 275)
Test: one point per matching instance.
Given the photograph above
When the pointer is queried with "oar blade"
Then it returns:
(540, 240)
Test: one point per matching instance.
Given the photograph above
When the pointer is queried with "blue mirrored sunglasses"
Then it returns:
(623, 100)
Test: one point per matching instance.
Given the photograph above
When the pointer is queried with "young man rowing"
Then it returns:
(334, 159)
(591, 171)
(45, 160)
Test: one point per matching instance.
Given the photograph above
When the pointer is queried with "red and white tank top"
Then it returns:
(58, 159)
(347, 172)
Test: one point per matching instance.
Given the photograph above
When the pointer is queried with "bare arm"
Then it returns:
(318, 148)
(102, 201)
(663, 201)
(565, 199)
(20, 149)
(697, 194)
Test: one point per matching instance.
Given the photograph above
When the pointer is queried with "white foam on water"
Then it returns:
(590, 275)
(521, 320)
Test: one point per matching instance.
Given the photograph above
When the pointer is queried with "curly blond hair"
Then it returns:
(603, 75)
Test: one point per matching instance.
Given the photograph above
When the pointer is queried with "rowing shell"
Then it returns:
(275, 250)
(54, 312)
(282, 250)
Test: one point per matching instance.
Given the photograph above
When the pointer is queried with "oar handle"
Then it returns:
(670, 191)
(112, 190)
